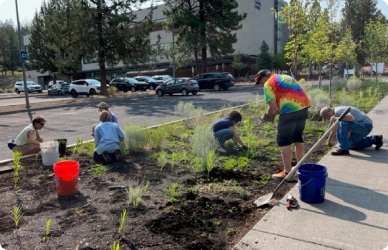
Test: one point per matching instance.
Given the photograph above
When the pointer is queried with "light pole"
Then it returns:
(22, 61)
(173, 44)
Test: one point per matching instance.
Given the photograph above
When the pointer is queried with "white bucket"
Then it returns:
(50, 153)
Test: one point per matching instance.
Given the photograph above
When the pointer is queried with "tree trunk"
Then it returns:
(203, 36)
(101, 50)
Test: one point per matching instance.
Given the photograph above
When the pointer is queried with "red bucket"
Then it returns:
(66, 177)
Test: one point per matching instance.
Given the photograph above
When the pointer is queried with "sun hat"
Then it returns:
(103, 105)
(262, 73)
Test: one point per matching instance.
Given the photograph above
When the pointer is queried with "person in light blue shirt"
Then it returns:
(101, 107)
(107, 138)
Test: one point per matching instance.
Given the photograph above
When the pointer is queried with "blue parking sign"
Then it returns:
(23, 55)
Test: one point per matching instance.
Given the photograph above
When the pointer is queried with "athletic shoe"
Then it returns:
(221, 150)
(107, 158)
(340, 152)
(281, 175)
(379, 141)
(117, 155)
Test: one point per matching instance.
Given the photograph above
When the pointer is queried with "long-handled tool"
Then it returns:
(268, 197)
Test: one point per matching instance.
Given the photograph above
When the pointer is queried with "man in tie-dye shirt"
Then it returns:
(285, 96)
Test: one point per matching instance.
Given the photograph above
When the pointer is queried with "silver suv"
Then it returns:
(31, 86)
(86, 87)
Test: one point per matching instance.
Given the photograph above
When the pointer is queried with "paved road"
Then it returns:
(17, 99)
(76, 121)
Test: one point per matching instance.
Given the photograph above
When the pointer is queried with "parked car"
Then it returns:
(127, 83)
(31, 86)
(86, 87)
(215, 80)
(182, 85)
(159, 79)
(51, 83)
(151, 83)
(60, 88)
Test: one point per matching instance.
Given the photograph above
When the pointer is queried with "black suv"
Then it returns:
(127, 83)
(215, 80)
(151, 83)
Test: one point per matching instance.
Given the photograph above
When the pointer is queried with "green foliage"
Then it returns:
(230, 230)
(136, 192)
(264, 59)
(203, 141)
(173, 192)
(210, 160)
(188, 110)
(135, 137)
(16, 214)
(230, 164)
(162, 159)
(154, 137)
(98, 169)
(17, 167)
(264, 179)
(115, 246)
(46, 237)
(230, 187)
(243, 162)
(353, 83)
(318, 99)
(122, 220)
(237, 63)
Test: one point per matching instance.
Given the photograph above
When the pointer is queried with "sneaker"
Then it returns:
(221, 150)
(282, 174)
(106, 157)
(117, 155)
(379, 141)
(340, 152)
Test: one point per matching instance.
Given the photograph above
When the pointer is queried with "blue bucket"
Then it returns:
(312, 183)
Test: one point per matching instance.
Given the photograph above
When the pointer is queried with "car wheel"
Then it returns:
(60, 93)
(133, 89)
(17, 91)
(184, 92)
(152, 87)
(194, 93)
(159, 92)
(29, 91)
(216, 87)
(92, 92)
(225, 88)
(74, 94)
(170, 94)
(48, 93)
(40, 91)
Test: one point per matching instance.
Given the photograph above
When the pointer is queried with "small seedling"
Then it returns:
(17, 167)
(98, 169)
(16, 215)
(122, 220)
(173, 192)
(116, 246)
(230, 230)
(46, 237)
(134, 193)
(210, 159)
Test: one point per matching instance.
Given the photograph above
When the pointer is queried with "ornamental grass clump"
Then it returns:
(353, 83)
(202, 142)
(17, 167)
(136, 192)
(135, 137)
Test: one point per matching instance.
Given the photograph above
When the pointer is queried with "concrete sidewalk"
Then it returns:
(354, 214)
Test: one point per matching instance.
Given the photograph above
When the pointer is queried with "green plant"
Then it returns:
(162, 159)
(155, 137)
(173, 192)
(98, 169)
(77, 145)
(203, 141)
(46, 237)
(16, 215)
(135, 137)
(264, 179)
(17, 167)
(211, 158)
(243, 162)
(230, 164)
(122, 220)
(230, 230)
(135, 193)
(115, 246)
(353, 83)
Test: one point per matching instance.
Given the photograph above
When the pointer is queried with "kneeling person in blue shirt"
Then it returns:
(224, 130)
(107, 138)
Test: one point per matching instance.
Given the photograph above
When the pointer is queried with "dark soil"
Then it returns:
(90, 219)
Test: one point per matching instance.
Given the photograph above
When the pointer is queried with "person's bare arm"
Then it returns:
(32, 137)
(38, 138)
(272, 108)
(236, 138)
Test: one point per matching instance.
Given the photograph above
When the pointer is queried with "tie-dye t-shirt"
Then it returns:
(287, 92)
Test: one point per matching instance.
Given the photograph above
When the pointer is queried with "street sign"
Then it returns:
(23, 55)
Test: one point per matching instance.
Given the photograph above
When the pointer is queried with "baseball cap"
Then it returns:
(262, 73)
(103, 105)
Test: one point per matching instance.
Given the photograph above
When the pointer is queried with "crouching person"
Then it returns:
(28, 141)
(107, 138)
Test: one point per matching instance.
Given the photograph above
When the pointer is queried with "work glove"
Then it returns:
(244, 147)
(266, 118)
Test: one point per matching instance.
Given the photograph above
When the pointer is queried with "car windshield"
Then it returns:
(131, 80)
(94, 82)
(31, 83)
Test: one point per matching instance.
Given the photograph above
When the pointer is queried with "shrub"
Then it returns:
(318, 99)
(305, 85)
(353, 83)
(135, 137)
(188, 110)
(203, 141)
(112, 91)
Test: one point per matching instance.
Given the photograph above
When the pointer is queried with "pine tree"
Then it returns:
(264, 59)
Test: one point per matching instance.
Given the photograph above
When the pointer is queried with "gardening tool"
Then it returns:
(268, 197)
(291, 202)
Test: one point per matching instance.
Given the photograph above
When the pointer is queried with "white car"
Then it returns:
(86, 87)
(51, 83)
(31, 86)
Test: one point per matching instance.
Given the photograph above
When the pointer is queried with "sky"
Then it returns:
(27, 9)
